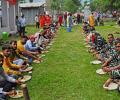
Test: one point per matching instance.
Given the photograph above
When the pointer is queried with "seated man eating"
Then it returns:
(30, 46)
(8, 66)
(22, 50)
(16, 57)
(40, 40)
(112, 65)
(6, 82)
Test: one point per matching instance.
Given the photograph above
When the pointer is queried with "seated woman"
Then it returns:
(112, 65)
(7, 83)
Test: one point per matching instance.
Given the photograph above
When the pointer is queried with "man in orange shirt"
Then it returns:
(42, 21)
(48, 20)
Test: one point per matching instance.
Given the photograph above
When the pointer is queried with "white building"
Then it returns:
(31, 9)
(7, 18)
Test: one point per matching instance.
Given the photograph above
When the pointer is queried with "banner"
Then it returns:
(13, 2)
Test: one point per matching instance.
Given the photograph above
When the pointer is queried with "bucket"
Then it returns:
(4, 35)
(69, 29)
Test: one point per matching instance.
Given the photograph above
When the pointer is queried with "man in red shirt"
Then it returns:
(60, 18)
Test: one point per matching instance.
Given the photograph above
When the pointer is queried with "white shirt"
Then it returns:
(22, 22)
(36, 19)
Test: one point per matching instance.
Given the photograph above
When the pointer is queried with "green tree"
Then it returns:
(71, 5)
(76, 2)
(104, 5)
(67, 5)
(56, 5)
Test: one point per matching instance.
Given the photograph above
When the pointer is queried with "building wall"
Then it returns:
(30, 14)
(12, 17)
(28, 1)
(9, 13)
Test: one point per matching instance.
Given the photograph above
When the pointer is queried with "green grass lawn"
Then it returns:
(66, 72)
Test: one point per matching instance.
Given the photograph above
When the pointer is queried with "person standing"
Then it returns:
(37, 21)
(118, 21)
(69, 22)
(42, 21)
(47, 20)
(96, 18)
(60, 19)
(22, 25)
(99, 18)
(65, 19)
(78, 18)
(18, 25)
(91, 21)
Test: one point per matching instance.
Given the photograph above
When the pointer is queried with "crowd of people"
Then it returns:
(18, 55)
(108, 52)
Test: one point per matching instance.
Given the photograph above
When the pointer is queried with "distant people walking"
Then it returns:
(37, 21)
(22, 25)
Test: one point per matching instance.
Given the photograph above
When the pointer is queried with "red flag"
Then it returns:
(13, 2)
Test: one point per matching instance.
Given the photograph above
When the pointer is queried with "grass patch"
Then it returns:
(66, 73)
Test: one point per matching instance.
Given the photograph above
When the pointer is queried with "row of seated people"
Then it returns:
(16, 56)
(108, 52)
